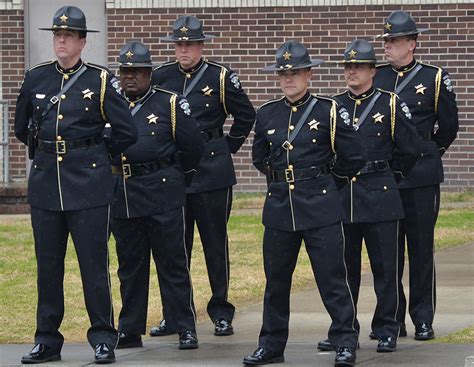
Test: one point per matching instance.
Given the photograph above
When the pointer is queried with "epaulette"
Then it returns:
(329, 99)
(339, 94)
(42, 64)
(168, 63)
(98, 67)
(216, 64)
(164, 90)
(270, 102)
(385, 91)
(382, 65)
(431, 66)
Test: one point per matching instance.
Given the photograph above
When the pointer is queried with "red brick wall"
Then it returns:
(13, 67)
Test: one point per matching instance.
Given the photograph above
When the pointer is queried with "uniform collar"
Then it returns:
(299, 102)
(132, 101)
(406, 68)
(361, 96)
(72, 70)
(193, 69)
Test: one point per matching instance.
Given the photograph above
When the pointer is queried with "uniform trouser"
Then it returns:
(421, 206)
(163, 234)
(382, 246)
(89, 232)
(210, 210)
(325, 247)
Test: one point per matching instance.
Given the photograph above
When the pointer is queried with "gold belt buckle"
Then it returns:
(61, 147)
(126, 170)
(289, 176)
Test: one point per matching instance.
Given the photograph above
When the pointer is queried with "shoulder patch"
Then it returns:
(344, 114)
(42, 64)
(448, 83)
(184, 104)
(115, 84)
(234, 79)
(271, 101)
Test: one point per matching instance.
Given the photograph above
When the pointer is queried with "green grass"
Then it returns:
(465, 336)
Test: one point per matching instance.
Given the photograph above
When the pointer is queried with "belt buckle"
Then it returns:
(61, 147)
(126, 170)
(289, 175)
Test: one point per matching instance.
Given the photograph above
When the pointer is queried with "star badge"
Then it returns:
(183, 29)
(64, 18)
(152, 119)
(287, 55)
(420, 89)
(378, 117)
(207, 90)
(388, 26)
(352, 54)
(313, 124)
(129, 54)
(87, 94)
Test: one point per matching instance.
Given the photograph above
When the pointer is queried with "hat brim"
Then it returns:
(375, 62)
(136, 65)
(69, 29)
(401, 34)
(275, 67)
(205, 37)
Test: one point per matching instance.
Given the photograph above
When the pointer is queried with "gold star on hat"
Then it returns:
(287, 55)
(388, 26)
(152, 119)
(64, 18)
(129, 54)
(352, 54)
(183, 29)
(378, 117)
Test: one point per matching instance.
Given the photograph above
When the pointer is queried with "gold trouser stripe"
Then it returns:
(332, 125)
(103, 81)
(222, 87)
(173, 116)
(393, 110)
(437, 89)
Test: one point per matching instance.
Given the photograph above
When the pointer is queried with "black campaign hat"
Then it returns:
(359, 51)
(187, 28)
(399, 24)
(135, 54)
(292, 55)
(70, 18)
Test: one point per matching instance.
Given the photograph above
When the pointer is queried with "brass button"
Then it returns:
(291, 127)
(400, 74)
(292, 187)
(324, 191)
(356, 119)
(385, 187)
(290, 147)
(358, 103)
(63, 96)
(378, 134)
(37, 107)
(124, 158)
(212, 153)
(354, 179)
(60, 117)
(60, 159)
(294, 109)
(132, 105)
(59, 137)
(87, 108)
(290, 166)
(314, 140)
(66, 77)
(164, 179)
(270, 143)
(419, 103)
(152, 133)
(94, 165)
(207, 104)
(188, 75)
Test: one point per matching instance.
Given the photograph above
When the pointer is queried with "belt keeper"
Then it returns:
(61, 147)
(126, 170)
(289, 175)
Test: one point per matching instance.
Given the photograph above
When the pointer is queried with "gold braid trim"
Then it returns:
(332, 126)
(222, 87)
(103, 84)
(393, 110)
(173, 116)
(437, 89)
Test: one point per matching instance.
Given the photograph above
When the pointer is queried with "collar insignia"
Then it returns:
(378, 117)
(287, 55)
(152, 119)
(87, 94)
(420, 89)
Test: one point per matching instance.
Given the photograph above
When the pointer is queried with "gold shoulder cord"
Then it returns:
(332, 126)
(222, 91)
(173, 116)
(437, 89)
(393, 110)
(103, 81)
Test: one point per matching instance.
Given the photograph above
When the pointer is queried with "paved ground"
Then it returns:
(309, 322)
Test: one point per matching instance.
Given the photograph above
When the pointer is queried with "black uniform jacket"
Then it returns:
(310, 202)
(393, 146)
(165, 125)
(78, 179)
(217, 94)
(431, 100)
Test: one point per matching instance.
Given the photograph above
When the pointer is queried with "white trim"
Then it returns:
(396, 275)
(346, 278)
(187, 262)
(226, 245)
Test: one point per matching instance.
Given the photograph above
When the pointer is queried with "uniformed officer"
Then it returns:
(148, 210)
(296, 140)
(68, 103)
(371, 202)
(428, 92)
(214, 92)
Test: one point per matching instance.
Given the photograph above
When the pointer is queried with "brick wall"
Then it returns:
(248, 38)
(12, 69)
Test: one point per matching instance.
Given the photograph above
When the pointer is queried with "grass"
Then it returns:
(465, 336)
(18, 269)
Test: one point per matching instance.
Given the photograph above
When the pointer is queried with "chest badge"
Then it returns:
(420, 89)
(152, 119)
(313, 125)
(207, 91)
(378, 117)
(271, 132)
(87, 94)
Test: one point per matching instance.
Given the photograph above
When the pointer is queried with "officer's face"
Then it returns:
(359, 77)
(399, 50)
(68, 47)
(294, 83)
(135, 81)
(188, 53)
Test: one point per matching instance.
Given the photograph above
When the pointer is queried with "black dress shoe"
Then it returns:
(372, 336)
(325, 345)
(104, 354)
(223, 327)
(188, 340)
(403, 330)
(424, 331)
(129, 341)
(263, 356)
(41, 353)
(345, 356)
(161, 329)
(386, 344)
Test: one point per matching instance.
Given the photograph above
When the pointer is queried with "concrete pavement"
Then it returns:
(309, 323)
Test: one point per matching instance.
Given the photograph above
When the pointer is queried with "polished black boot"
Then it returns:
(161, 329)
(188, 340)
(223, 327)
(41, 353)
(325, 345)
(424, 331)
(104, 354)
(386, 344)
(263, 356)
(129, 341)
(345, 356)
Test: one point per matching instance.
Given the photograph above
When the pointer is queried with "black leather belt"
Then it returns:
(425, 135)
(64, 146)
(374, 166)
(139, 169)
(211, 134)
(294, 174)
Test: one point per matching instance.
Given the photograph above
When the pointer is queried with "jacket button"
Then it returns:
(290, 166)
(292, 187)
(164, 179)
(63, 96)
(324, 191)
(314, 140)
(66, 76)
(294, 109)
(60, 117)
(94, 165)
(290, 147)
(358, 102)
(87, 108)
(59, 137)
(60, 159)
(212, 153)
(152, 133)
(291, 127)
(35, 166)
(269, 194)
(354, 179)
(207, 104)
(385, 187)
(124, 158)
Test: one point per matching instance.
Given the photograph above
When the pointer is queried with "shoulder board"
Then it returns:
(98, 67)
(382, 65)
(271, 101)
(42, 64)
(385, 91)
(216, 64)
(164, 90)
(328, 99)
(429, 65)
(339, 94)
(164, 64)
